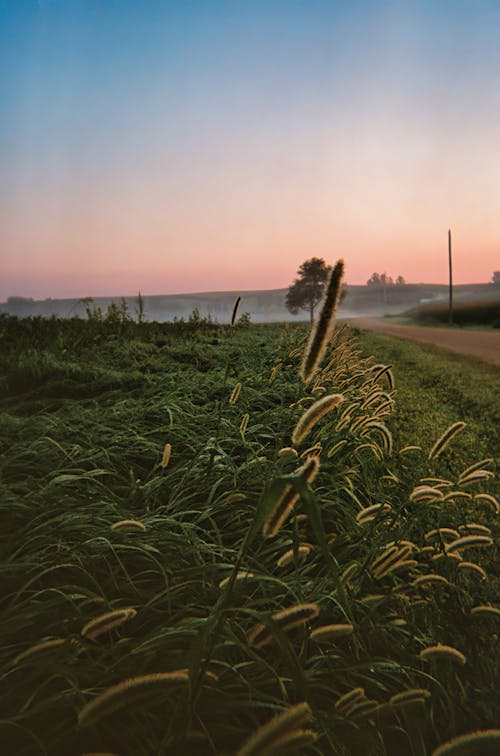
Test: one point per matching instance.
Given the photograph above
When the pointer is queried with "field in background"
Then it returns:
(264, 306)
(479, 311)
(87, 409)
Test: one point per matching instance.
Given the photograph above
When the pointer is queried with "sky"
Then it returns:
(206, 145)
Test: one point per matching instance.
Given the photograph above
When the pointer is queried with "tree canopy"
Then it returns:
(307, 289)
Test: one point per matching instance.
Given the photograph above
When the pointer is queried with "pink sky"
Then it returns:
(224, 155)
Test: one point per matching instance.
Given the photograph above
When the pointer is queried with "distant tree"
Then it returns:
(307, 289)
(400, 281)
(374, 280)
(495, 278)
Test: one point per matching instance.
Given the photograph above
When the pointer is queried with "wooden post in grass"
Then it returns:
(450, 306)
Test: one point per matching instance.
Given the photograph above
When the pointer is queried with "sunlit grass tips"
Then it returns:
(314, 414)
(472, 744)
(269, 737)
(128, 526)
(130, 691)
(326, 633)
(287, 619)
(440, 651)
(445, 439)
(167, 451)
(288, 498)
(106, 622)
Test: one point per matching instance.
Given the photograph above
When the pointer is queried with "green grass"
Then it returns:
(86, 411)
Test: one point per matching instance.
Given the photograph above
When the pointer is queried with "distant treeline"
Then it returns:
(262, 306)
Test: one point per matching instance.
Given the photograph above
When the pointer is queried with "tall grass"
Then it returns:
(145, 612)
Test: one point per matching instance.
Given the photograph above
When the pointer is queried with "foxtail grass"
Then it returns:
(131, 691)
(440, 651)
(314, 414)
(106, 622)
(289, 496)
(235, 310)
(322, 331)
(445, 439)
(472, 744)
(167, 451)
(128, 526)
(285, 723)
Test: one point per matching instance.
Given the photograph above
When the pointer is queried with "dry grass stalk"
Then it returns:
(241, 575)
(235, 393)
(490, 500)
(474, 568)
(476, 477)
(485, 610)
(348, 698)
(323, 329)
(371, 512)
(431, 577)
(411, 694)
(129, 526)
(469, 541)
(474, 528)
(244, 425)
(166, 455)
(106, 622)
(441, 651)
(331, 632)
(130, 691)
(314, 414)
(426, 493)
(288, 721)
(441, 534)
(471, 744)
(476, 466)
(288, 451)
(445, 439)
(289, 496)
(39, 648)
(286, 619)
(235, 310)
(288, 557)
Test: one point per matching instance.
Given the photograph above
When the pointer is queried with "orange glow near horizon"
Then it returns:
(176, 151)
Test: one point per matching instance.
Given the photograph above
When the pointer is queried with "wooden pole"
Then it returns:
(450, 307)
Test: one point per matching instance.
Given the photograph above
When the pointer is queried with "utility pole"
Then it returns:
(450, 306)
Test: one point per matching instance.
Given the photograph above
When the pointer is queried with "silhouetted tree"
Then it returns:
(307, 289)
(400, 281)
(374, 280)
(495, 278)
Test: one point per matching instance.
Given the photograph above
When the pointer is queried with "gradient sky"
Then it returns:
(209, 145)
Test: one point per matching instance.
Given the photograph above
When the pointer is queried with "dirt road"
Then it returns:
(483, 344)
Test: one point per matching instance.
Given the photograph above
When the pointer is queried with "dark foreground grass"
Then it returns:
(86, 412)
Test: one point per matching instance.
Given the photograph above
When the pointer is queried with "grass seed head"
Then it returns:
(472, 744)
(322, 331)
(440, 651)
(106, 622)
(130, 691)
(288, 498)
(445, 439)
(235, 310)
(235, 393)
(287, 722)
(128, 526)
(166, 455)
(326, 633)
(314, 414)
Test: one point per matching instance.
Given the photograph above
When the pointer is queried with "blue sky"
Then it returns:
(180, 146)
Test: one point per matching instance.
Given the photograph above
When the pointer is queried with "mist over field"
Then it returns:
(265, 306)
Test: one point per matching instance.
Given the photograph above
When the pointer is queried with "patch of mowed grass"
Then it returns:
(232, 616)
(436, 387)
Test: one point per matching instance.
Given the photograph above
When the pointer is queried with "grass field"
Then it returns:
(141, 469)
